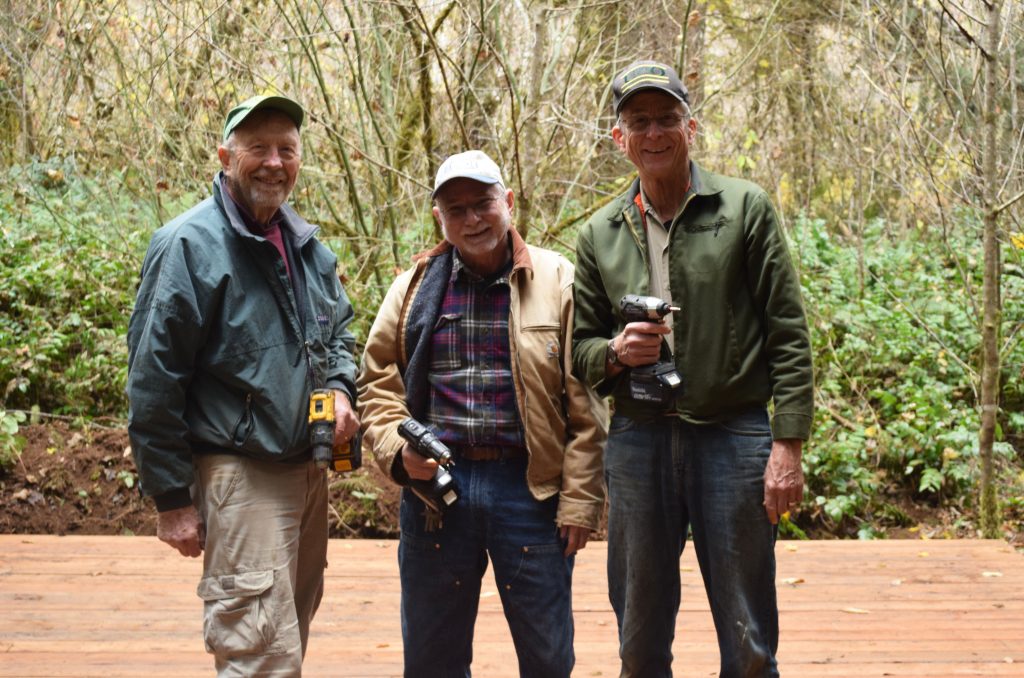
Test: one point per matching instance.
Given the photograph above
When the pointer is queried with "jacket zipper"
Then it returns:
(244, 426)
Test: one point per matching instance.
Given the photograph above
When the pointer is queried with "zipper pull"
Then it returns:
(309, 363)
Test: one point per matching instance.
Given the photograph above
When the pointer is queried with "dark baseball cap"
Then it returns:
(263, 102)
(647, 75)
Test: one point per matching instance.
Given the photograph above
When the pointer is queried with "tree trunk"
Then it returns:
(691, 61)
(991, 314)
(528, 150)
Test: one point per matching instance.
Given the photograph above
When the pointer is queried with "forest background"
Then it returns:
(888, 134)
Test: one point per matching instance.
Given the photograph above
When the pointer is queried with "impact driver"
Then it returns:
(439, 491)
(659, 382)
(342, 458)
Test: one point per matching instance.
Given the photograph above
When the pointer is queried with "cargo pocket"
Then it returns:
(235, 622)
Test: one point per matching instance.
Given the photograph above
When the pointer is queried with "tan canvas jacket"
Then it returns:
(565, 423)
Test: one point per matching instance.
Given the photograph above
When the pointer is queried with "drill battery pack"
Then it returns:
(658, 383)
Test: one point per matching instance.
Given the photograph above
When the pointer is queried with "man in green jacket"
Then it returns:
(705, 456)
(239, 316)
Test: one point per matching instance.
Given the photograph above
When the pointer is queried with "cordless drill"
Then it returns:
(439, 491)
(342, 458)
(655, 383)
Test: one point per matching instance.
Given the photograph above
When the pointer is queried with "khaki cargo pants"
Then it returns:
(263, 567)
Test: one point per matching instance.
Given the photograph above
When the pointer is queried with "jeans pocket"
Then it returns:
(537, 563)
(236, 622)
(219, 477)
(752, 424)
(620, 424)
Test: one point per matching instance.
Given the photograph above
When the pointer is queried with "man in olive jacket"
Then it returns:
(239, 316)
(706, 456)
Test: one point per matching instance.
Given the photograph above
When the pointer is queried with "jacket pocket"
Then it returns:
(545, 337)
(235, 620)
(244, 425)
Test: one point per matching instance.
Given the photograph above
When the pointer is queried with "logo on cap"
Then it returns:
(651, 75)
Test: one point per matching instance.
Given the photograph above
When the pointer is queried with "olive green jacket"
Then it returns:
(741, 338)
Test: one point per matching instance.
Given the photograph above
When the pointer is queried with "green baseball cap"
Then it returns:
(278, 103)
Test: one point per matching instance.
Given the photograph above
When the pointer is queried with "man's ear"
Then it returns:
(510, 199)
(225, 156)
(617, 137)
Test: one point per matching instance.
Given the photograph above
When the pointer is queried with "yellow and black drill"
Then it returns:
(342, 458)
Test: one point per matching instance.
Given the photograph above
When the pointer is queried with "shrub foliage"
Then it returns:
(894, 327)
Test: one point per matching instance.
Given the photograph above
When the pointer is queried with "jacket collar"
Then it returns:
(702, 183)
(295, 227)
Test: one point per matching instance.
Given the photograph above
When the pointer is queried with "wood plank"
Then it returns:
(84, 606)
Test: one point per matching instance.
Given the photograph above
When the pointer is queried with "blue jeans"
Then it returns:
(664, 478)
(441, 571)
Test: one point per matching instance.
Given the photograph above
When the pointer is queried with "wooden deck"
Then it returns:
(126, 606)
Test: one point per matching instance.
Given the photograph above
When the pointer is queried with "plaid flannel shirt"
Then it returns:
(472, 395)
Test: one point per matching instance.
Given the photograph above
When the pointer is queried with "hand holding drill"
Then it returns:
(427, 460)
(640, 341)
(641, 346)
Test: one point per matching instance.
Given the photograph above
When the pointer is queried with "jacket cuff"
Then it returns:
(790, 425)
(388, 452)
(344, 387)
(575, 512)
(398, 472)
(175, 499)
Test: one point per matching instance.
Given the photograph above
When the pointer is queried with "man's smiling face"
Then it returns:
(655, 132)
(261, 162)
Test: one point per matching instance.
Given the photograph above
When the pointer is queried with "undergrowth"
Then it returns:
(893, 321)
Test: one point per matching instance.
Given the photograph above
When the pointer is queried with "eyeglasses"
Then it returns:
(642, 123)
(481, 209)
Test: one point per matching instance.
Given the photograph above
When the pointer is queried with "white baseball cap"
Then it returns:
(473, 165)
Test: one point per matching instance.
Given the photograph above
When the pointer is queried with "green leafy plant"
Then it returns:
(895, 342)
(11, 443)
(70, 250)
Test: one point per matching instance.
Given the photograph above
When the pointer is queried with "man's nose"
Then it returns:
(273, 158)
(654, 129)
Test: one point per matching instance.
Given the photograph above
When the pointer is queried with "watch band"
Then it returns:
(610, 354)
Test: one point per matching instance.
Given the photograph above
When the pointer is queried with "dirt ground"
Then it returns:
(83, 481)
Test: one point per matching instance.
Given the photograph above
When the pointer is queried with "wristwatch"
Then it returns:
(610, 354)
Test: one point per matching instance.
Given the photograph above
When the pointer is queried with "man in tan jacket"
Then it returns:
(473, 342)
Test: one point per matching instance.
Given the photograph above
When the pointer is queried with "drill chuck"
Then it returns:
(637, 308)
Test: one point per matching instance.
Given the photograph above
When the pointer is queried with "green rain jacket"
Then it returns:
(223, 351)
(741, 338)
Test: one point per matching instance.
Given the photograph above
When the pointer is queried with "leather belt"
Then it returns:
(490, 452)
